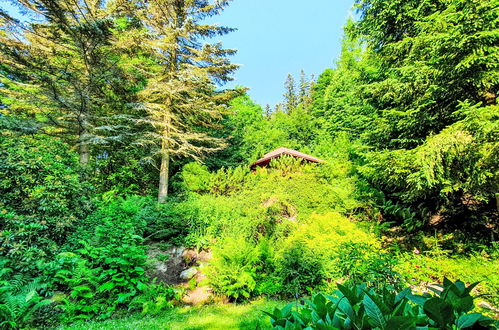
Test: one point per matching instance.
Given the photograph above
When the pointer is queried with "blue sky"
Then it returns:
(277, 37)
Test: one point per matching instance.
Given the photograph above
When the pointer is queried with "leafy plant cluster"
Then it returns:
(282, 247)
(66, 256)
(358, 307)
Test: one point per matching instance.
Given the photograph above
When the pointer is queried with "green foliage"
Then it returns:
(416, 83)
(20, 299)
(359, 262)
(156, 298)
(195, 177)
(227, 180)
(454, 165)
(108, 270)
(100, 279)
(165, 222)
(430, 266)
(233, 269)
(241, 118)
(407, 122)
(123, 171)
(300, 269)
(356, 307)
(42, 199)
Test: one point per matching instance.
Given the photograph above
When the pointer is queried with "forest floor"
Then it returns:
(215, 316)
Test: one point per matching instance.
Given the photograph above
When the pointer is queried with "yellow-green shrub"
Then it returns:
(343, 250)
(325, 234)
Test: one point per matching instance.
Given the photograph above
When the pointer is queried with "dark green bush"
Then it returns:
(300, 269)
(358, 262)
(166, 222)
(42, 199)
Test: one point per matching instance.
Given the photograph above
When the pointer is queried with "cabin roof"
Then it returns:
(284, 151)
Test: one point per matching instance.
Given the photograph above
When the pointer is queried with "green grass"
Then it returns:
(217, 316)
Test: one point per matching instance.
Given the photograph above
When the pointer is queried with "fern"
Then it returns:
(19, 299)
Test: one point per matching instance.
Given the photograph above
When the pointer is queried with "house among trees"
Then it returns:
(265, 160)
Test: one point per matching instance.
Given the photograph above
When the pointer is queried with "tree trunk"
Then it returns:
(84, 149)
(163, 172)
(84, 153)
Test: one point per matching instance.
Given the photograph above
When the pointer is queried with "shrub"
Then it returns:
(360, 262)
(168, 222)
(226, 181)
(195, 177)
(112, 213)
(300, 269)
(42, 199)
(108, 270)
(425, 268)
(100, 279)
(342, 248)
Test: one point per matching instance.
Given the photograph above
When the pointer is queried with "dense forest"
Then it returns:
(122, 153)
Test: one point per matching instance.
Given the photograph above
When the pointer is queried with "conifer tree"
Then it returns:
(303, 86)
(268, 111)
(180, 98)
(278, 108)
(290, 96)
(305, 97)
(58, 67)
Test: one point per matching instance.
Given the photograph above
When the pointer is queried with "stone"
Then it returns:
(188, 273)
(199, 296)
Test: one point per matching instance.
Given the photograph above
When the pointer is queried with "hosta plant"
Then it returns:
(357, 307)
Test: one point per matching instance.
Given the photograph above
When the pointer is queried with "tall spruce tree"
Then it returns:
(290, 95)
(305, 85)
(181, 100)
(58, 67)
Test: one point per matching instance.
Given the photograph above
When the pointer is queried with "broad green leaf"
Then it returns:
(374, 312)
(439, 311)
(401, 322)
(468, 320)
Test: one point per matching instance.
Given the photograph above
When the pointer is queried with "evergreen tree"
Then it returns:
(279, 107)
(180, 99)
(268, 111)
(305, 97)
(60, 68)
(290, 95)
(432, 56)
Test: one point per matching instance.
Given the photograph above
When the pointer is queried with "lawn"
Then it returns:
(217, 316)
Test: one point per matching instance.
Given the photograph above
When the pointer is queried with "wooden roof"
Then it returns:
(284, 151)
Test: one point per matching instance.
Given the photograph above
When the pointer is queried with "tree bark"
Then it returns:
(163, 172)
(84, 153)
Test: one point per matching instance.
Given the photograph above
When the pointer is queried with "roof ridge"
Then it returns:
(283, 150)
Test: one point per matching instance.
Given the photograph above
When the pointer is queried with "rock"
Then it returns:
(199, 296)
(204, 256)
(188, 273)
(190, 256)
(166, 270)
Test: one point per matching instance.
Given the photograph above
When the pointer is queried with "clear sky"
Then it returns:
(277, 37)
